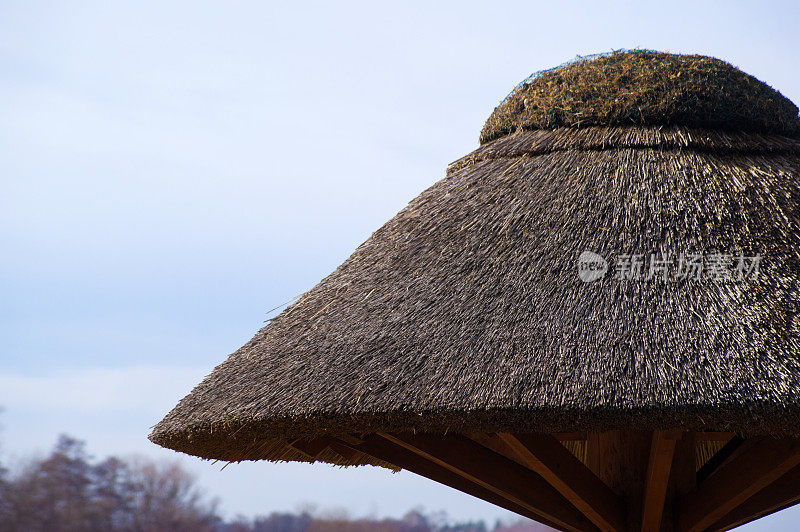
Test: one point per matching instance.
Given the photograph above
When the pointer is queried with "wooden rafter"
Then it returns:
(495, 473)
(546, 456)
(345, 450)
(403, 458)
(311, 448)
(659, 467)
(734, 445)
(714, 436)
(781, 494)
(536, 476)
(745, 474)
(569, 436)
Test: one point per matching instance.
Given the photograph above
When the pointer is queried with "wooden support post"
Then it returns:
(659, 467)
(620, 458)
(683, 478)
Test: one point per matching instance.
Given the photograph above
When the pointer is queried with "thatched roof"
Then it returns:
(465, 312)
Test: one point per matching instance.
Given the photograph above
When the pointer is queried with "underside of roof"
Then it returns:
(612, 481)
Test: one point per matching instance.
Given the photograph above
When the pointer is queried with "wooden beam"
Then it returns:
(346, 451)
(619, 458)
(735, 444)
(682, 479)
(495, 473)
(745, 474)
(492, 441)
(546, 456)
(659, 466)
(313, 447)
(781, 494)
(569, 436)
(309, 447)
(402, 458)
(714, 436)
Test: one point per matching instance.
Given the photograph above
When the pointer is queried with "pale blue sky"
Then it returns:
(169, 171)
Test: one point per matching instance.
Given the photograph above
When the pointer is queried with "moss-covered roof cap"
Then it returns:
(644, 88)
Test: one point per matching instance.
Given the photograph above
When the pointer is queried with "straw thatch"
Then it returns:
(464, 312)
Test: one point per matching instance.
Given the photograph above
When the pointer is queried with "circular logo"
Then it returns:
(591, 267)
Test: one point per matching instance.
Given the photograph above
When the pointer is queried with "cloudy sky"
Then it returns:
(170, 171)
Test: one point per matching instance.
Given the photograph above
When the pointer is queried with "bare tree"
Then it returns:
(66, 492)
(164, 497)
(52, 494)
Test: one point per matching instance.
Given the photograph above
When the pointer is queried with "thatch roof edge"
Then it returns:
(260, 440)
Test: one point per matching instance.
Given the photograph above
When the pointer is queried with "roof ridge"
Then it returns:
(541, 141)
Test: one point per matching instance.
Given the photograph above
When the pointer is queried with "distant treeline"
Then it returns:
(413, 521)
(69, 492)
